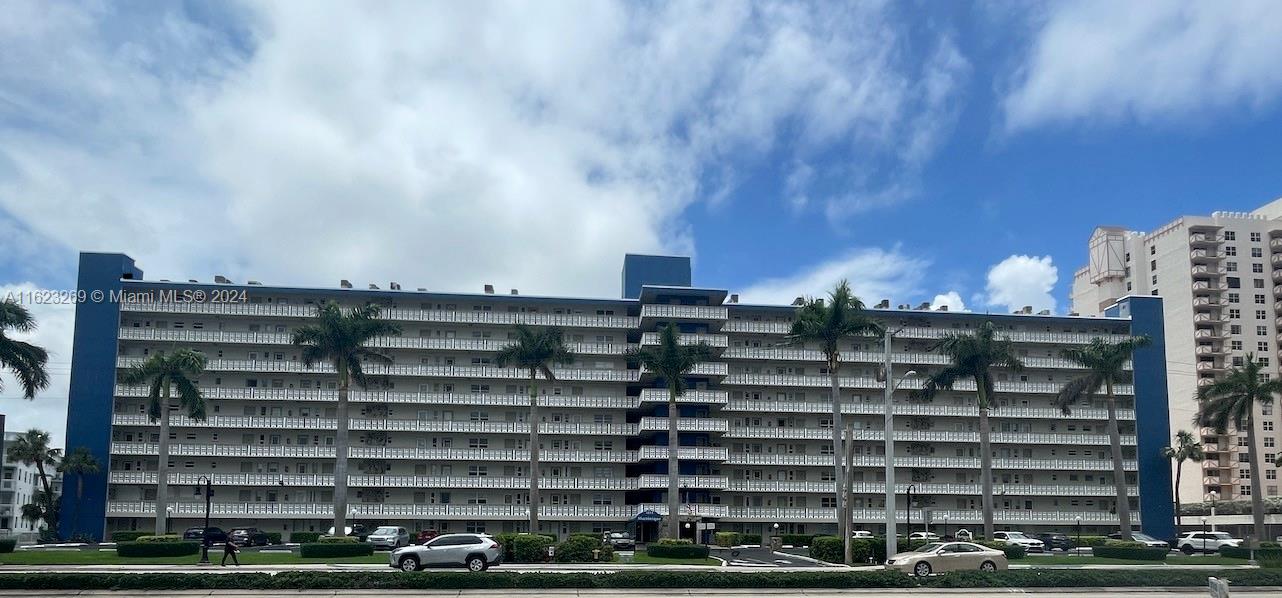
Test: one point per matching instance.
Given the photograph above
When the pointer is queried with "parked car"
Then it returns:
(1143, 538)
(248, 536)
(963, 535)
(862, 534)
(923, 536)
(938, 557)
(357, 530)
(1190, 542)
(474, 551)
(1053, 540)
(1029, 544)
(389, 536)
(621, 540)
(425, 535)
(216, 535)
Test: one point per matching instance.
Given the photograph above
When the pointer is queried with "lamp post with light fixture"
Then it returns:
(892, 544)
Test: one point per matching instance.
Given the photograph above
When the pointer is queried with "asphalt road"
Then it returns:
(669, 593)
(763, 558)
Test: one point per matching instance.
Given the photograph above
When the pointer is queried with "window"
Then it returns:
(1235, 298)
(1259, 299)
(1262, 346)
(1238, 361)
(1230, 266)
(1257, 252)
(1230, 250)
(1230, 235)
(1270, 474)
(1245, 490)
(1267, 426)
(1234, 282)
(1261, 314)
(1152, 249)
(1235, 345)
(1255, 237)
(1269, 441)
(1235, 329)
(1257, 268)
(1262, 330)
(1234, 313)
(1258, 283)
(1244, 473)
(1152, 264)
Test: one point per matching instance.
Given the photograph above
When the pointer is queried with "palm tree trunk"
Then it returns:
(847, 548)
(985, 471)
(1119, 472)
(837, 454)
(340, 454)
(44, 481)
(1257, 496)
(162, 468)
(1179, 519)
(534, 455)
(674, 465)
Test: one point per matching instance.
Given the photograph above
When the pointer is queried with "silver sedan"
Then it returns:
(939, 557)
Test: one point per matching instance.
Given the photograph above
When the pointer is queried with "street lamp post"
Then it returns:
(1078, 547)
(944, 536)
(1212, 497)
(169, 515)
(204, 532)
(892, 545)
(1204, 535)
(908, 513)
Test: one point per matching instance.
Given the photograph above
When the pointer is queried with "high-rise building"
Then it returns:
(439, 440)
(1220, 278)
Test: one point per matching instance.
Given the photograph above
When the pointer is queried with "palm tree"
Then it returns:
(79, 462)
(671, 361)
(1232, 400)
(1105, 365)
(339, 339)
(161, 372)
(829, 324)
(25, 360)
(32, 448)
(535, 351)
(973, 356)
(1186, 448)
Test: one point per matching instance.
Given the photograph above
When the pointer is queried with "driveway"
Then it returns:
(763, 557)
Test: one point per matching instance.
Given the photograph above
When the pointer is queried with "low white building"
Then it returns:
(19, 486)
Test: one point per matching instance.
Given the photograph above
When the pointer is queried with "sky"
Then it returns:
(958, 153)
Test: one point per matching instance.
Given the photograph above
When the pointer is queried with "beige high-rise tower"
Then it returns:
(1220, 277)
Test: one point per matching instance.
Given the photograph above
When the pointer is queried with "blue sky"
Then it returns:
(952, 152)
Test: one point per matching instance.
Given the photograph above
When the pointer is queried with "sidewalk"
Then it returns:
(1260, 592)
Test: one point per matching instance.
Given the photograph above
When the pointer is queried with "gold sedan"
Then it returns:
(938, 557)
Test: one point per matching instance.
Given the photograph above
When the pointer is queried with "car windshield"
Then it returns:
(1142, 537)
(932, 547)
(1220, 535)
(385, 530)
(618, 535)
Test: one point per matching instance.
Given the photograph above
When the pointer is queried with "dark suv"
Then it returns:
(1054, 540)
(248, 536)
(216, 535)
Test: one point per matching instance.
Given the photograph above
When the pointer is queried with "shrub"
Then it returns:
(164, 548)
(159, 539)
(273, 537)
(752, 539)
(675, 541)
(796, 539)
(728, 539)
(127, 536)
(1270, 561)
(827, 548)
(1270, 545)
(1013, 551)
(304, 537)
(323, 549)
(686, 550)
(8, 544)
(1089, 540)
(530, 548)
(1235, 552)
(1116, 549)
(339, 540)
(505, 540)
(579, 549)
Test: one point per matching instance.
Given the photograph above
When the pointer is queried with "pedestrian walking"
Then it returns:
(230, 550)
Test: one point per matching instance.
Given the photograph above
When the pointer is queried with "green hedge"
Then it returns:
(127, 536)
(827, 548)
(304, 537)
(530, 548)
(752, 539)
(1013, 551)
(8, 544)
(1089, 541)
(273, 537)
(144, 549)
(507, 540)
(316, 580)
(322, 549)
(1245, 553)
(797, 539)
(677, 551)
(1270, 561)
(339, 540)
(728, 539)
(580, 549)
(159, 539)
(1136, 553)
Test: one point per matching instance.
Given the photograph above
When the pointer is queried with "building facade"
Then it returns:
(19, 486)
(1220, 278)
(439, 441)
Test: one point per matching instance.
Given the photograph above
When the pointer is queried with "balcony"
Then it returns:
(878, 488)
(757, 327)
(378, 481)
(931, 436)
(906, 408)
(795, 380)
(1205, 271)
(1209, 366)
(1204, 286)
(660, 481)
(685, 453)
(392, 397)
(716, 341)
(901, 461)
(684, 312)
(1197, 239)
(1208, 303)
(684, 424)
(403, 315)
(432, 371)
(1209, 350)
(1205, 256)
(297, 510)
(802, 514)
(897, 357)
(1208, 318)
(688, 510)
(1210, 333)
(660, 395)
(377, 452)
(232, 422)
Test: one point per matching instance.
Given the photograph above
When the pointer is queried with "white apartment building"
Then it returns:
(440, 441)
(19, 485)
(1220, 277)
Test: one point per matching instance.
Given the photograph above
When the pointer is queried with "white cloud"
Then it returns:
(1148, 61)
(951, 299)
(1021, 280)
(441, 145)
(55, 322)
(874, 274)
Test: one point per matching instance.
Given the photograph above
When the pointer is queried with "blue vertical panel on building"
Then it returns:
(1152, 415)
(92, 391)
(655, 270)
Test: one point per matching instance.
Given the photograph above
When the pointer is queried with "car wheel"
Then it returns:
(988, 566)
(409, 564)
(1187, 549)
(921, 569)
(476, 563)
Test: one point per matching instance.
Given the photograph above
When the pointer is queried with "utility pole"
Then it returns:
(892, 544)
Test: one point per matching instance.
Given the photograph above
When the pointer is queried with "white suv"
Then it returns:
(1029, 544)
(1190, 542)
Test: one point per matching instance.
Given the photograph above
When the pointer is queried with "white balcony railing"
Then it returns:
(660, 395)
(225, 422)
(810, 487)
(906, 408)
(397, 314)
(683, 312)
(434, 371)
(902, 461)
(802, 514)
(692, 453)
(383, 342)
(930, 436)
(295, 510)
(414, 398)
(816, 381)
(685, 424)
(718, 341)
